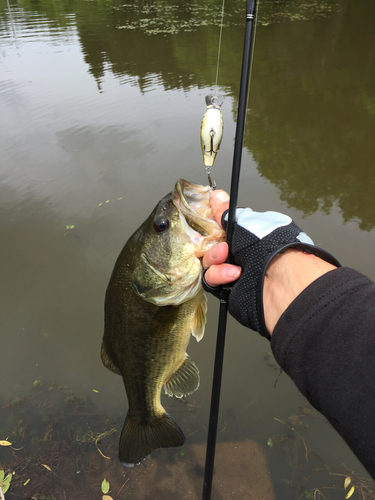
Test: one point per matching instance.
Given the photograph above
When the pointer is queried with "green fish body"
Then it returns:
(154, 303)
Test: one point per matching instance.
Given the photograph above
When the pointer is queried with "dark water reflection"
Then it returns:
(100, 108)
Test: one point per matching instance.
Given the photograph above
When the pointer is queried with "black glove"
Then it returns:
(257, 238)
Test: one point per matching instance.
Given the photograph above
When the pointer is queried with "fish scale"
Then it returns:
(154, 302)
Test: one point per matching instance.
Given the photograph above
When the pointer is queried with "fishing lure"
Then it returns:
(211, 132)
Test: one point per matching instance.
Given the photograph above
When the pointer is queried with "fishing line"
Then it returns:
(212, 123)
(223, 311)
(219, 49)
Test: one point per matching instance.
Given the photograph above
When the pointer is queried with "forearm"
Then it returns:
(325, 341)
(286, 277)
(321, 317)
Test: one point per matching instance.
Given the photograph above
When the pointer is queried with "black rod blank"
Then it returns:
(241, 115)
(223, 312)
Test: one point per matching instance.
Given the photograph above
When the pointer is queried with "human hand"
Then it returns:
(218, 273)
(258, 239)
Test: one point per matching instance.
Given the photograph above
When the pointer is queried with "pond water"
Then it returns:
(100, 111)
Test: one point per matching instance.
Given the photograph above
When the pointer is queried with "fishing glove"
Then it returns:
(257, 239)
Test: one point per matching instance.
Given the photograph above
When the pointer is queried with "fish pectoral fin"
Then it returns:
(199, 319)
(107, 361)
(164, 321)
(139, 438)
(184, 381)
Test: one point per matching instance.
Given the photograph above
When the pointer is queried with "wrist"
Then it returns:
(286, 277)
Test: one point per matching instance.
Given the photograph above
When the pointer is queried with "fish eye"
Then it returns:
(161, 225)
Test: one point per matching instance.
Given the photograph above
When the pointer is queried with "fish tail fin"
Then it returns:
(139, 439)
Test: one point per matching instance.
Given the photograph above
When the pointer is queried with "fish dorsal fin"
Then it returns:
(184, 381)
(200, 319)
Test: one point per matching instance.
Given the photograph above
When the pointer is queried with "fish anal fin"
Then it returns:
(184, 381)
(107, 361)
(139, 439)
(199, 319)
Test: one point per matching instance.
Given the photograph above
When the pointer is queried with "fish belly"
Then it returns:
(159, 360)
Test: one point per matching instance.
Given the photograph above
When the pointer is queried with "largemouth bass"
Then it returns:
(154, 303)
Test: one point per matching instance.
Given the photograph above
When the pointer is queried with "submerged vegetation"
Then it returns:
(309, 476)
(53, 435)
(54, 444)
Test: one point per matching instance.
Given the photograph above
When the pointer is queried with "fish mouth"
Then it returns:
(193, 201)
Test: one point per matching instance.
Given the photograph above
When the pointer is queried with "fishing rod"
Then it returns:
(223, 312)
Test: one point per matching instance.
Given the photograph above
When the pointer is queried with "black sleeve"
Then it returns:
(325, 341)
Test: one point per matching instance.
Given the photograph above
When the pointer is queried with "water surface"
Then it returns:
(100, 111)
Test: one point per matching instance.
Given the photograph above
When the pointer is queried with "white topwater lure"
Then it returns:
(211, 132)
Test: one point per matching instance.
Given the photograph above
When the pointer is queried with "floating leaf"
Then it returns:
(2, 474)
(5, 488)
(94, 390)
(347, 482)
(48, 468)
(105, 486)
(26, 482)
(351, 491)
(5, 443)
(106, 497)
(6, 483)
(7, 480)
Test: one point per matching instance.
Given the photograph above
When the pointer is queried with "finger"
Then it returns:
(222, 274)
(216, 255)
(219, 201)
